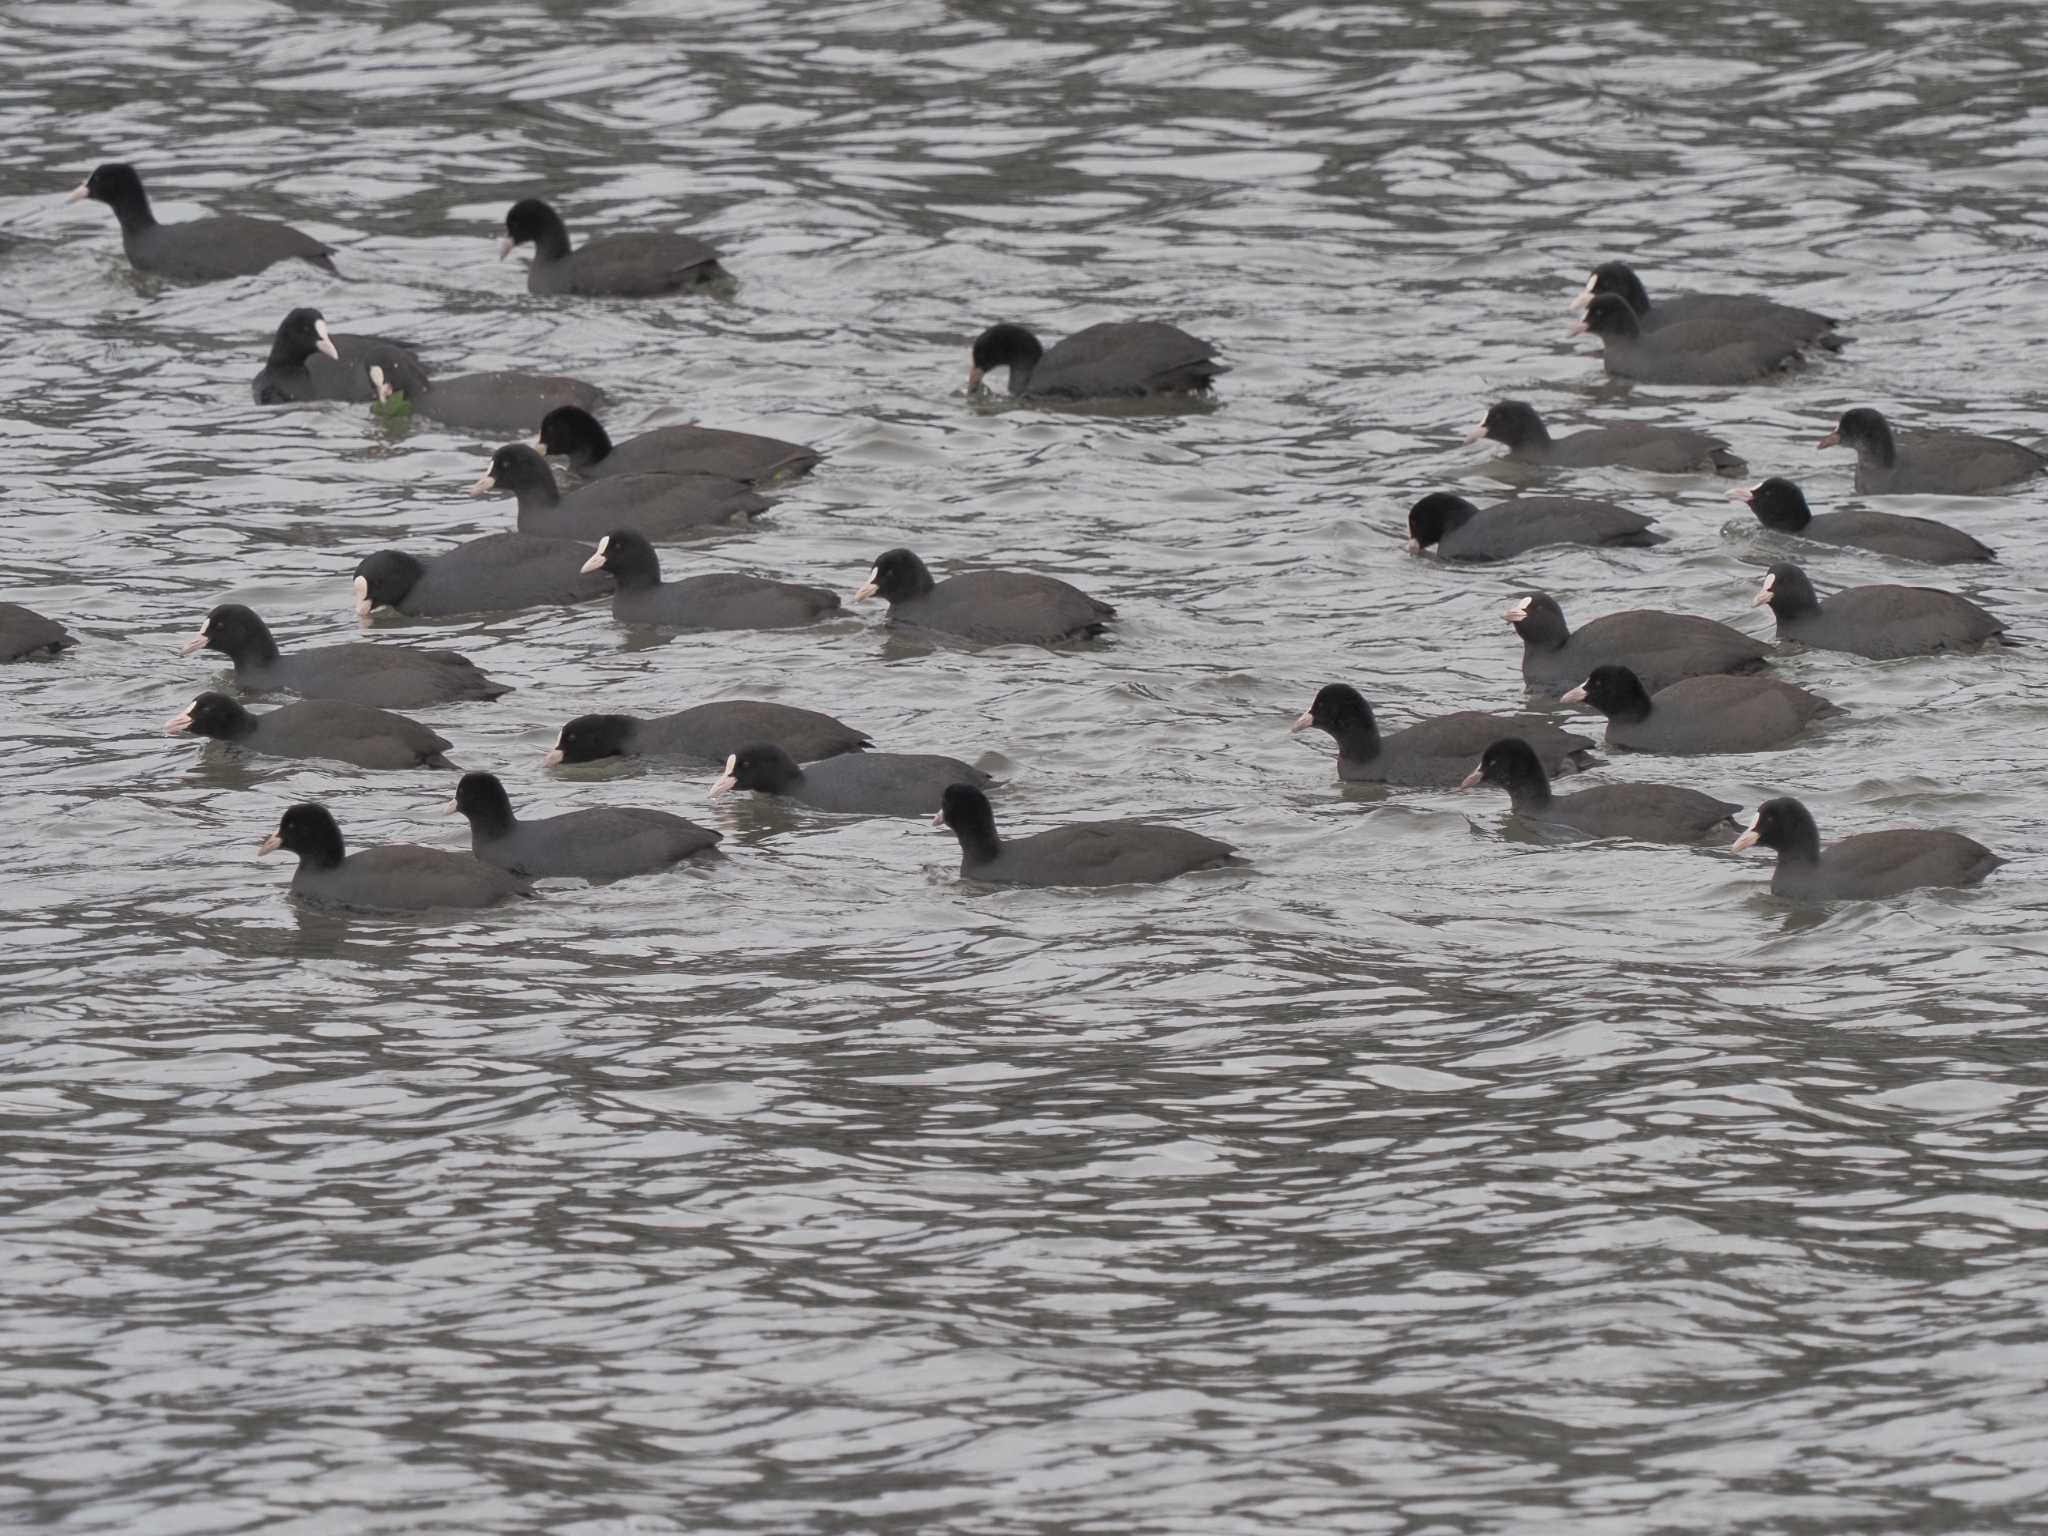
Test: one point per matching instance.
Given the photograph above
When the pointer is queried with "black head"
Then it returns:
(1539, 620)
(518, 469)
(120, 189)
(972, 819)
(573, 433)
(1610, 318)
(627, 558)
(383, 579)
(1004, 346)
(767, 768)
(236, 633)
(482, 799)
(214, 715)
(1777, 503)
(1619, 279)
(1337, 708)
(1787, 592)
(1512, 764)
(1434, 516)
(532, 222)
(1615, 691)
(588, 738)
(1787, 827)
(308, 831)
(303, 333)
(1515, 423)
(1866, 431)
(897, 577)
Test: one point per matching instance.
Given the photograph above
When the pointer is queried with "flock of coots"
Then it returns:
(1664, 683)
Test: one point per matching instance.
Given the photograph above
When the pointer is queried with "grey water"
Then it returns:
(1425, 1177)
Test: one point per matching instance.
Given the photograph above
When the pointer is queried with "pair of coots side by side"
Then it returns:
(1788, 321)
(1780, 505)
(1941, 463)
(1660, 648)
(660, 506)
(26, 635)
(381, 676)
(399, 877)
(1432, 753)
(1117, 359)
(1458, 530)
(1646, 813)
(316, 728)
(1868, 866)
(706, 733)
(499, 572)
(1881, 623)
(990, 607)
(636, 265)
(1699, 715)
(572, 433)
(1714, 352)
(720, 600)
(1660, 450)
(600, 842)
(310, 362)
(197, 250)
(852, 784)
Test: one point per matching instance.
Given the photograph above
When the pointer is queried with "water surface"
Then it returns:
(1427, 1177)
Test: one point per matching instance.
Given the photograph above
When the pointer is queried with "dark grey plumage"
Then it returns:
(1866, 867)
(1091, 853)
(1660, 648)
(1781, 506)
(1880, 622)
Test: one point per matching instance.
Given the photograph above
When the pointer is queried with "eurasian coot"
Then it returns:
(578, 436)
(854, 784)
(993, 607)
(1085, 853)
(199, 250)
(658, 506)
(400, 877)
(1794, 323)
(1929, 463)
(1708, 352)
(507, 400)
(1699, 714)
(1649, 813)
(1460, 531)
(1432, 753)
(26, 635)
(630, 266)
(1865, 867)
(1882, 622)
(717, 600)
(600, 842)
(1660, 648)
(382, 676)
(347, 733)
(706, 733)
(310, 362)
(1112, 360)
(1781, 506)
(498, 572)
(1661, 450)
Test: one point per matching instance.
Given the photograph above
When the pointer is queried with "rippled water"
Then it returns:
(1423, 1178)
